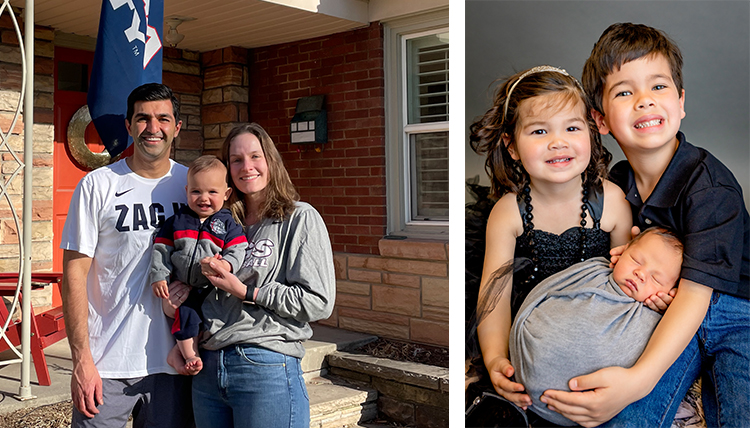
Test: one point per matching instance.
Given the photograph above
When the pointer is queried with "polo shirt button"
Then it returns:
(648, 221)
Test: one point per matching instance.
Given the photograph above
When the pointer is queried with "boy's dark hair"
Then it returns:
(488, 130)
(152, 92)
(668, 235)
(206, 162)
(620, 44)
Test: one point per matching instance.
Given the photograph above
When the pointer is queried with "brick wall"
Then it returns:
(395, 289)
(345, 180)
(10, 91)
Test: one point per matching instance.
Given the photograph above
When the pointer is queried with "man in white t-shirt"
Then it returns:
(118, 335)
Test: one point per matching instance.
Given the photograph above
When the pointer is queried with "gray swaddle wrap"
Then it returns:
(574, 323)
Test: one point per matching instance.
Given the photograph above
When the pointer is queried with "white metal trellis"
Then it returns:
(26, 99)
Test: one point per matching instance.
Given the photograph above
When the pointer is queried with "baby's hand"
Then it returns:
(161, 289)
(206, 268)
(660, 301)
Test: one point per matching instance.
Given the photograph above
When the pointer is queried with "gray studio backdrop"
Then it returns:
(503, 37)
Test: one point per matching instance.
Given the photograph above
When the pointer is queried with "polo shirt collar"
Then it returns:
(680, 168)
(631, 194)
(678, 173)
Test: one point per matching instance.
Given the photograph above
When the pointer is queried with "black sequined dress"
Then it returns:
(557, 252)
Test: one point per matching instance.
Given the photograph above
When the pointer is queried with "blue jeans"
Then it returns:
(250, 387)
(720, 352)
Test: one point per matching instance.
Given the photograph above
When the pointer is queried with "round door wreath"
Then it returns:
(77, 142)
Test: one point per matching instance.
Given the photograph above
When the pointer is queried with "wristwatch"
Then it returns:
(249, 293)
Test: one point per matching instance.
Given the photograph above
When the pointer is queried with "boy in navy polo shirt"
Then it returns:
(634, 79)
(202, 229)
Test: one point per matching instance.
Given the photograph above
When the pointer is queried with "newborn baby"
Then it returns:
(591, 316)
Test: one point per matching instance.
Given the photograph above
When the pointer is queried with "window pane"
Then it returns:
(429, 183)
(72, 76)
(427, 78)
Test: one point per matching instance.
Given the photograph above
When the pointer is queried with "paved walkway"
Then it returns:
(325, 341)
(60, 370)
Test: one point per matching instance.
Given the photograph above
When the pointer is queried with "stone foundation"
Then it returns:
(401, 294)
(409, 393)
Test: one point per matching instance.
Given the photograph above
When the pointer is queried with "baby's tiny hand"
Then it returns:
(161, 289)
(660, 301)
(206, 268)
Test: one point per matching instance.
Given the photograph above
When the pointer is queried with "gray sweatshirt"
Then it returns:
(291, 263)
(574, 323)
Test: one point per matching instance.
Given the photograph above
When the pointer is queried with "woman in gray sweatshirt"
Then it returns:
(257, 319)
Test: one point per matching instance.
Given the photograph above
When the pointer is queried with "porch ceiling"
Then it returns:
(221, 23)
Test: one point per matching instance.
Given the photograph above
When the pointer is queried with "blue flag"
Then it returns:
(128, 54)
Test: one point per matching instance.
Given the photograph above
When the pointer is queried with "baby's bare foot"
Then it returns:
(193, 365)
(175, 360)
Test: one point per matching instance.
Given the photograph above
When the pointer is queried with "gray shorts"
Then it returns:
(155, 401)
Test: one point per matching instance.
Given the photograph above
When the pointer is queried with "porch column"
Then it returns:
(226, 84)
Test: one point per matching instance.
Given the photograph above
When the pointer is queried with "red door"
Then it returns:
(72, 73)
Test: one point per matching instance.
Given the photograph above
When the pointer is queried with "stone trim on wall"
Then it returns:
(43, 145)
(181, 71)
(226, 84)
(401, 294)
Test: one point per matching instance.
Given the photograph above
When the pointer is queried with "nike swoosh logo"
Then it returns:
(118, 194)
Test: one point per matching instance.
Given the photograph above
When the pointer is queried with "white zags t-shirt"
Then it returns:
(112, 217)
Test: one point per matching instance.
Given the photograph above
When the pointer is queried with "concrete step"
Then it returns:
(335, 403)
(325, 341)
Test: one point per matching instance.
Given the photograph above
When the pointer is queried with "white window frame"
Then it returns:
(398, 170)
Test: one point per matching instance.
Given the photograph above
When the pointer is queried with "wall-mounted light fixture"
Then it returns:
(172, 37)
(310, 122)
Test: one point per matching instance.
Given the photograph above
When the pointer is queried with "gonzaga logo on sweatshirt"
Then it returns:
(258, 253)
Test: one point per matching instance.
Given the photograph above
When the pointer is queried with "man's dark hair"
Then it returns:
(153, 92)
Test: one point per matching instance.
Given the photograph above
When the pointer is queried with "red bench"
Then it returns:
(47, 327)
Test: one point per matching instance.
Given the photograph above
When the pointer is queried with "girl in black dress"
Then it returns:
(547, 166)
